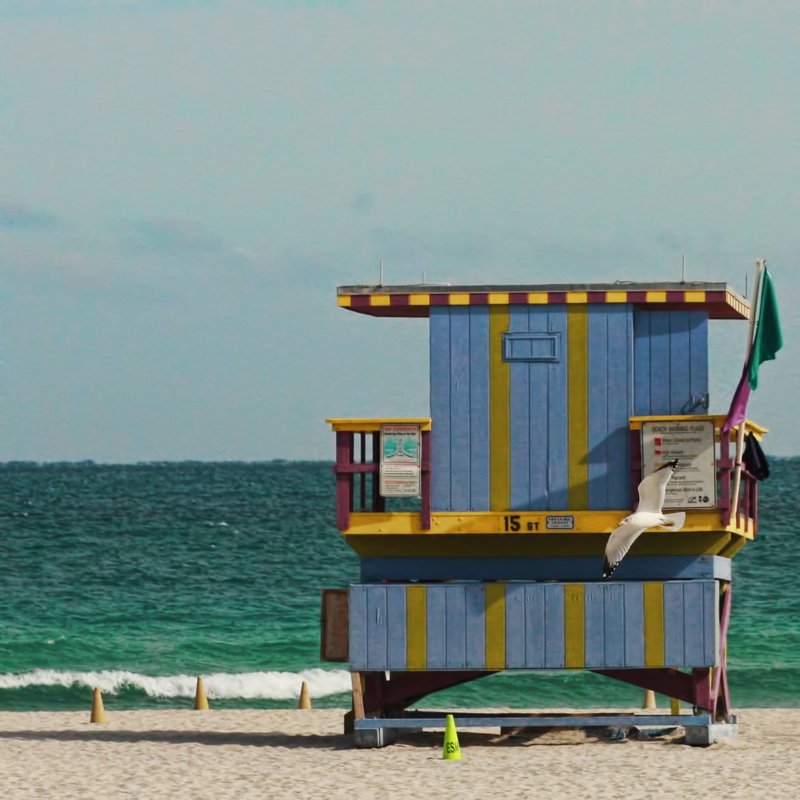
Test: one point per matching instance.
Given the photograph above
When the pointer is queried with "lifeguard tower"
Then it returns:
(548, 404)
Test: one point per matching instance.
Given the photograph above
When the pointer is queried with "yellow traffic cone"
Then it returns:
(304, 703)
(200, 699)
(98, 712)
(649, 700)
(451, 750)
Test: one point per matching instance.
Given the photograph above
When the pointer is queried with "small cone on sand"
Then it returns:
(98, 712)
(200, 699)
(451, 750)
(649, 699)
(304, 703)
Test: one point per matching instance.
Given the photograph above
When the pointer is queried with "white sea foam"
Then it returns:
(243, 685)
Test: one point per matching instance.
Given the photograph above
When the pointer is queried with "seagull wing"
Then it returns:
(618, 545)
(653, 490)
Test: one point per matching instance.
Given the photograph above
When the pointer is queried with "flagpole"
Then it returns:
(737, 475)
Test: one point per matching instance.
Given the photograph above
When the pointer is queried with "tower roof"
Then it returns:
(415, 300)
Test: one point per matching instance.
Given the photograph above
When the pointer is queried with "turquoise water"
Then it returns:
(138, 578)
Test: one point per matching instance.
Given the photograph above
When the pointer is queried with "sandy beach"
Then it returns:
(299, 754)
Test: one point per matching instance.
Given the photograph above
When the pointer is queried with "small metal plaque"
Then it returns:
(562, 522)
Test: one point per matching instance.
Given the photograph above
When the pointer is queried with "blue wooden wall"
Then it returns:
(522, 423)
(610, 405)
(625, 624)
(671, 361)
(535, 398)
(459, 365)
(538, 414)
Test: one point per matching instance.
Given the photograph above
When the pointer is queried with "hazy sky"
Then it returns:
(184, 184)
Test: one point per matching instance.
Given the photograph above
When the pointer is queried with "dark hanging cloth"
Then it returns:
(754, 459)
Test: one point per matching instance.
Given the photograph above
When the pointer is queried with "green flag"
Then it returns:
(768, 339)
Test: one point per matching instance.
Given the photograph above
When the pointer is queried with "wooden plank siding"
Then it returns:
(499, 412)
(610, 404)
(460, 383)
(538, 426)
(496, 626)
(535, 433)
(670, 361)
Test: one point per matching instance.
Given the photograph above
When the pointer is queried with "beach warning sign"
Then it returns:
(694, 484)
(400, 460)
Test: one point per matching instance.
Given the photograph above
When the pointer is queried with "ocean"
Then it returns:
(138, 578)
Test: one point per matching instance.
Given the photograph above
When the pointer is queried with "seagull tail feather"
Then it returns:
(675, 520)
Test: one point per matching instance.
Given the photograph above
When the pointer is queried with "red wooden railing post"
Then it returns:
(378, 501)
(748, 512)
(362, 458)
(725, 476)
(344, 479)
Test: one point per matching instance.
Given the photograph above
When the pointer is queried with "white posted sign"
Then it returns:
(694, 484)
(400, 460)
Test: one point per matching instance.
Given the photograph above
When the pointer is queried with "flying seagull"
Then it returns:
(648, 514)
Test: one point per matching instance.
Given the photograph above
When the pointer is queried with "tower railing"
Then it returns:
(726, 460)
(357, 467)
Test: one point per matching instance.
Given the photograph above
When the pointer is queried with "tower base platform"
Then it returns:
(700, 730)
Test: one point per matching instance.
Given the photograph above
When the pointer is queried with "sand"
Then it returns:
(303, 754)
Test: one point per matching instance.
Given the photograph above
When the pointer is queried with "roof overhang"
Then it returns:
(415, 300)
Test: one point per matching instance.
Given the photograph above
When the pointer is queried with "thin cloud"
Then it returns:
(17, 217)
(170, 237)
(363, 203)
(415, 248)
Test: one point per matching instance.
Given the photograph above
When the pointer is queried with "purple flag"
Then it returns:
(737, 413)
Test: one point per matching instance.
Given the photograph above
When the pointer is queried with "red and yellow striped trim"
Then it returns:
(720, 304)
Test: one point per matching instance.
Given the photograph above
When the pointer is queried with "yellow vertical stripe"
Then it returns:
(416, 633)
(495, 626)
(574, 638)
(578, 407)
(654, 624)
(499, 406)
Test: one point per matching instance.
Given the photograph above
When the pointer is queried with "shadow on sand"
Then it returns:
(212, 738)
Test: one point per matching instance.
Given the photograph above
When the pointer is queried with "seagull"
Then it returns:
(648, 514)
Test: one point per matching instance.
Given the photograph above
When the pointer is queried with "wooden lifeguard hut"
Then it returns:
(548, 404)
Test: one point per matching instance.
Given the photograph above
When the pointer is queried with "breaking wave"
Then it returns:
(244, 685)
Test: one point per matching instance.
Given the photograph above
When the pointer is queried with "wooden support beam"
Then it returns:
(686, 686)
(358, 695)
(390, 697)
(720, 694)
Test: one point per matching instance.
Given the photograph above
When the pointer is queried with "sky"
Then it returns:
(183, 185)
